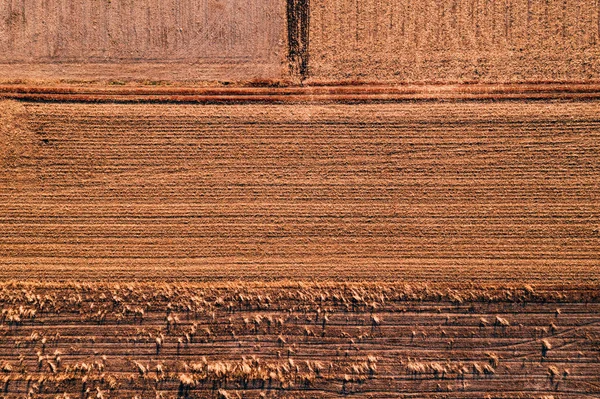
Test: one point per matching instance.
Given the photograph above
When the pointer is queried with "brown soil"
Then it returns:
(454, 40)
(420, 191)
(154, 40)
(263, 92)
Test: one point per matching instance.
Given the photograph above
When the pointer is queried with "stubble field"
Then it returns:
(449, 41)
(299, 340)
(490, 191)
(151, 41)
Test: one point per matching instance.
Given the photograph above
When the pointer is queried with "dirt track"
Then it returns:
(454, 191)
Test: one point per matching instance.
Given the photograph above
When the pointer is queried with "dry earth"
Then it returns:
(480, 190)
(454, 40)
(151, 40)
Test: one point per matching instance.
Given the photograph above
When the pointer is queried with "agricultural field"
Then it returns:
(416, 249)
(449, 41)
(291, 199)
(282, 42)
(151, 41)
(312, 340)
(448, 192)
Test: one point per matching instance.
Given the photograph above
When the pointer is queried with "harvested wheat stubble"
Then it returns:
(89, 40)
(454, 40)
(299, 340)
(444, 191)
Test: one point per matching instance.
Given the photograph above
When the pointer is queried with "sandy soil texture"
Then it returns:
(299, 340)
(206, 40)
(454, 40)
(449, 191)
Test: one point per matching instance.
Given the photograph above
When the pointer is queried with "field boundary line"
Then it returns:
(302, 94)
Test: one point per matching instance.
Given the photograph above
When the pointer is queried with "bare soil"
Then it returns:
(454, 41)
(427, 191)
(153, 41)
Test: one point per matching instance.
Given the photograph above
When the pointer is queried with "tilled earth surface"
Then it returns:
(454, 40)
(453, 191)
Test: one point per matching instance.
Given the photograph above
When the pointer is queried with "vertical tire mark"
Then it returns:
(507, 22)
(298, 32)
(528, 14)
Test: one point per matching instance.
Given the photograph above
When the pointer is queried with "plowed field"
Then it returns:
(445, 191)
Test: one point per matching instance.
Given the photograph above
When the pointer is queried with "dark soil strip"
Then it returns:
(298, 17)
